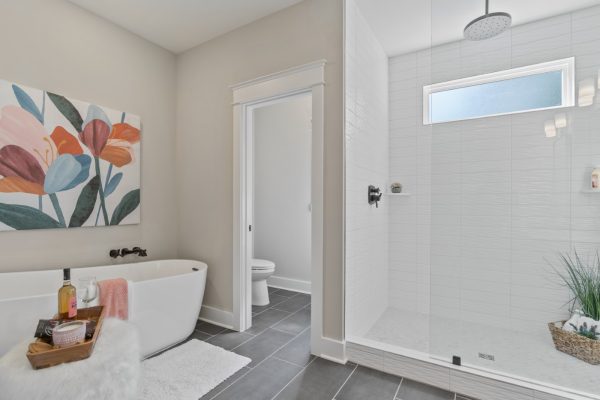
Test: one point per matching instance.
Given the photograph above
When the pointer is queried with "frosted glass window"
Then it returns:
(537, 87)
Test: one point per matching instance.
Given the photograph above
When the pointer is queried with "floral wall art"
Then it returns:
(66, 163)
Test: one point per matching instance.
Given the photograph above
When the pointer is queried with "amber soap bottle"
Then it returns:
(67, 297)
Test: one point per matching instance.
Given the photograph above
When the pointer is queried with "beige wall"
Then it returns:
(54, 45)
(306, 32)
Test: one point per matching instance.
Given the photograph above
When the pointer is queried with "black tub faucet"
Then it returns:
(125, 251)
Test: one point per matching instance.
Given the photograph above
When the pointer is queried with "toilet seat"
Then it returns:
(262, 265)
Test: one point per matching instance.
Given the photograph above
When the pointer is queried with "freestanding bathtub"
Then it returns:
(164, 300)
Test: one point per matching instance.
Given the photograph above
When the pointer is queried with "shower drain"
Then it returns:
(489, 357)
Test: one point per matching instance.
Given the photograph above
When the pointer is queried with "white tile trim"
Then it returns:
(465, 380)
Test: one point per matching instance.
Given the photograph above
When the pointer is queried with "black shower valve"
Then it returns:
(374, 195)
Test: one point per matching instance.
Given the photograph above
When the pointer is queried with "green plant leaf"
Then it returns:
(582, 278)
(68, 110)
(128, 203)
(85, 203)
(27, 103)
(21, 217)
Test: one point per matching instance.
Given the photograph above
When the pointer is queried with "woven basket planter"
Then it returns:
(578, 346)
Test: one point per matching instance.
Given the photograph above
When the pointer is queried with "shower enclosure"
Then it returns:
(494, 143)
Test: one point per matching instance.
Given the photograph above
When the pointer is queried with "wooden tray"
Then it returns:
(76, 352)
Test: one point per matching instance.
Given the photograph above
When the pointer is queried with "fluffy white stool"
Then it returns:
(112, 371)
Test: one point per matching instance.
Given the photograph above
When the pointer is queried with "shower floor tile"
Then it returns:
(516, 354)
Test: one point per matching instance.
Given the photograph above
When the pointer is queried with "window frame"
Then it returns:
(566, 66)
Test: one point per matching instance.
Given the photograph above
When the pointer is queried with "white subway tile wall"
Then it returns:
(367, 163)
(493, 200)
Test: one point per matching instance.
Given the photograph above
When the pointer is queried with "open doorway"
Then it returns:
(281, 196)
(278, 196)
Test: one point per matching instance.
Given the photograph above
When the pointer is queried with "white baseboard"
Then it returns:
(216, 316)
(296, 285)
(331, 349)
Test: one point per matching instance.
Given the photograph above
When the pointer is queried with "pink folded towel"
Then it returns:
(114, 298)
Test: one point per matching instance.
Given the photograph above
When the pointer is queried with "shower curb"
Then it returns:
(463, 380)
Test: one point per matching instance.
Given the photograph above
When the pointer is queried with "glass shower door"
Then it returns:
(509, 193)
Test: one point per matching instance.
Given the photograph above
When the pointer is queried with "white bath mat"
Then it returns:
(188, 372)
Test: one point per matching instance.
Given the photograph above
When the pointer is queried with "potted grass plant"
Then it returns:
(580, 335)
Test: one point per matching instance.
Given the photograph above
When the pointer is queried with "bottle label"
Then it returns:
(72, 307)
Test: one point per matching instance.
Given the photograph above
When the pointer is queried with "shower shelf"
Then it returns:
(398, 194)
(591, 191)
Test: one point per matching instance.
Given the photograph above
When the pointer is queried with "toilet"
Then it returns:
(261, 270)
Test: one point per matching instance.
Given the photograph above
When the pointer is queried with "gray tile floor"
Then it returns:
(282, 367)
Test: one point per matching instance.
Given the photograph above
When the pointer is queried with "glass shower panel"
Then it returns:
(508, 194)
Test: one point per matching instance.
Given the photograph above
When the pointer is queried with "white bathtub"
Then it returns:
(164, 300)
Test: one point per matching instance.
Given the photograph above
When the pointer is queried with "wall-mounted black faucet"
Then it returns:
(125, 251)
(374, 195)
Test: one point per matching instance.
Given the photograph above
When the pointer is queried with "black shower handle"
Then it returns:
(374, 195)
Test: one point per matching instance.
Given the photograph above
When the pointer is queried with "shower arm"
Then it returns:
(487, 7)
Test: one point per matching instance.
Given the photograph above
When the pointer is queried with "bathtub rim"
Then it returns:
(202, 268)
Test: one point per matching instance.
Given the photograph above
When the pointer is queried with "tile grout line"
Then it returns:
(293, 377)
(345, 381)
(245, 341)
(289, 297)
(290, 314)
(207, 339)
(231, 384)
(215, 334)
(276, 350)
(271, 307)
(289, 362)
(282, 331)
(287, 311)
(265, 359)
(398, 388)
(209, 335)
(250, 369)
(285, 298)
(281, 347)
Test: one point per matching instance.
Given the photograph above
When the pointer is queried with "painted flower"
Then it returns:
(118, 149)
(112, 143)
(33, 162)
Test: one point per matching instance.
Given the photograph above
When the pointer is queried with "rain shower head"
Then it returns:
(488, 25)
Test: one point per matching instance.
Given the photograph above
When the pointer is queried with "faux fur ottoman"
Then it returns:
(112, 372)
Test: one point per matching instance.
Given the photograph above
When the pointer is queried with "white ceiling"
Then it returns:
(403, 26)
(179, 25)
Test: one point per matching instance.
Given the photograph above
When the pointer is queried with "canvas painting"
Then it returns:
(66, 163)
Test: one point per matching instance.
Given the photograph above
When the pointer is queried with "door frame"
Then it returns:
(308, 78)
